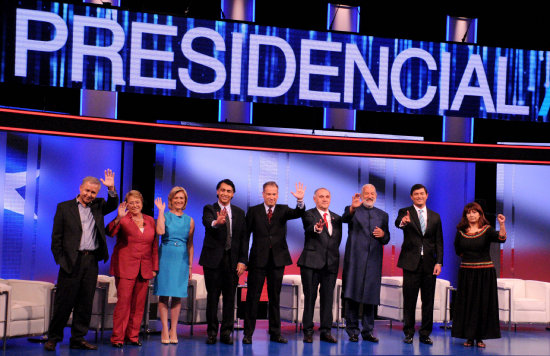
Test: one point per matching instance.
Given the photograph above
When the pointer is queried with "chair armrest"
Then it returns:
(392, 281)
(536, 289)
(505, 290)
(5, 302)
(31, 291)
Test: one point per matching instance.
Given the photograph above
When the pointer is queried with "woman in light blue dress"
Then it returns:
(175, 259)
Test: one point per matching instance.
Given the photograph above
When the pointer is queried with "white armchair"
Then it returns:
(391, 300)
(103, 308)
(292, 300)
(193, 310)
(523, 301)
(25, 308)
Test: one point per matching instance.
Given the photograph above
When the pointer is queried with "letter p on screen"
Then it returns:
(23, 44)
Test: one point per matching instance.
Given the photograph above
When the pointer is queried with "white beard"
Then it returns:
(367, 205)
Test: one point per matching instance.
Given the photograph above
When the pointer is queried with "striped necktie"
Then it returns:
(422, 221)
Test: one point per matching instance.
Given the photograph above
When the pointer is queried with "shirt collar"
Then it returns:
(227, 207)
(323, 212)
(78, 203)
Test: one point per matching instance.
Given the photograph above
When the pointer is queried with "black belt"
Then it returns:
(87, 252)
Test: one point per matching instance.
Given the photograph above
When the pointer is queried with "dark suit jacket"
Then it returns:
(214, 237)
(413, 240)
(321, 249)
(67, 230)
(265, 235)
(135, 251)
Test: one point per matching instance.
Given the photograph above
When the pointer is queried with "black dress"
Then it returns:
(476, 305)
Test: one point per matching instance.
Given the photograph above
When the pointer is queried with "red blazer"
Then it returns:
(134, 250)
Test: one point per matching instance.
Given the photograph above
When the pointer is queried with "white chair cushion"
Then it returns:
(21, 310)
(529, 304)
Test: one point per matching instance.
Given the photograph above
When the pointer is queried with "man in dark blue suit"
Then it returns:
(268, 256)
(78, 243)
(367, 234)
(319, 263)
(224, 257)
(421, 259)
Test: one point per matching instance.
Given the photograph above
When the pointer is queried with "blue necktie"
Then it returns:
(422, 221)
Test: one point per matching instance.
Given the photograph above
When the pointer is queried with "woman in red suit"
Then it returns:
(134, 262)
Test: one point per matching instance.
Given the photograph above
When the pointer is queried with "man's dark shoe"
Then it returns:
(354, 338)
(226, 339)
(426, 340)
(82, 345)
(50, 345)
(211, 340)
(279, 339)
(370, 337)
(308, 338)
(408, 340)
(134, 343)
(328, 338)
(117, 345)
(247, 340)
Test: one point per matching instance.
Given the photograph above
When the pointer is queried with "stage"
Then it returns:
(527, 340)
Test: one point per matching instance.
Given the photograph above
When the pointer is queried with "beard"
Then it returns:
(368, 203)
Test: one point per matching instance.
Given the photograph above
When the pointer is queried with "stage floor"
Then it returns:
(527, 340)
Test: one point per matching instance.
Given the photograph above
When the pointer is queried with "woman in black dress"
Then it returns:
(476, 307)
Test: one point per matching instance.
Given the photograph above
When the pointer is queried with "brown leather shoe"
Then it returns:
(308, 338)
(426, 340)
(50, 345)
(278, 338)
(226, 339)
(370, 337)
(328, 338)
(82, 345)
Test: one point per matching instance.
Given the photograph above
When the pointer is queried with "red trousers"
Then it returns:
(128, 314)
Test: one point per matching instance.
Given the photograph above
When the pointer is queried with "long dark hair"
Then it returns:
(463, 224)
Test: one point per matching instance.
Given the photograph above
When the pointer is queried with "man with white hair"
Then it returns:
(367, 233)
(78, 243)
(319, 263)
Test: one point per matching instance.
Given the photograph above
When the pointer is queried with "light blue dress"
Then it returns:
(173, 274)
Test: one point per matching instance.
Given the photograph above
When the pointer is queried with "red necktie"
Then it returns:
(329, 228)
(269, 215)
